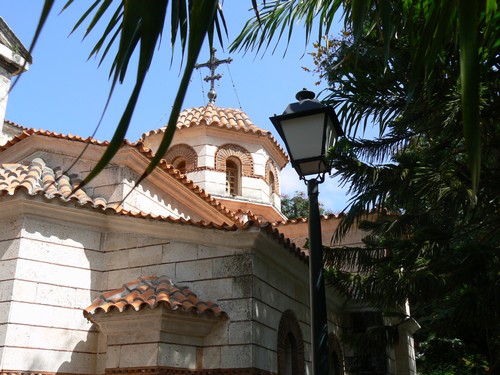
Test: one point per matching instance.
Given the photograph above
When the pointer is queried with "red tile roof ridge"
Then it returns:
(340, 215)
(171, 170)
(31, 131)
(283, 240)
(301, 220)
(36, 178)
(27, 132)
(15, 124)
(171, 219)
(251, 216)
(153, 291)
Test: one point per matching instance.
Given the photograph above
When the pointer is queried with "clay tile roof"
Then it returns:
(301, 220)
(101, 202)
(15, 125)
(30, 132)
(171, 170)
(227, 118)
(37, 178)
(270, 228)
(153, 291)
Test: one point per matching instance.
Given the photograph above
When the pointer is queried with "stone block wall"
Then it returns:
(216, 273)
(53, 271)
(60, 268)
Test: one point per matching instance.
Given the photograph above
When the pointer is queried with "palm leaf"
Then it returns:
(139, 26)
(142, 21)
(202, 16)
(468, 14)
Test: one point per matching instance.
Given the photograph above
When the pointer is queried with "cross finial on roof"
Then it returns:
(212, 64)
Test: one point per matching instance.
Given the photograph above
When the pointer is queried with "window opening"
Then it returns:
(232, 177)
(289, 352)
(180, 164)
(271, 184)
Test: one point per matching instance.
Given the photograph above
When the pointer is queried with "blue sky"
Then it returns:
(64, 92)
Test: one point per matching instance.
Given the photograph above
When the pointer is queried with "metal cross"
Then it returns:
(212, 64)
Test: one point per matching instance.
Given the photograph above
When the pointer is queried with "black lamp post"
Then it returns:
(308, 129)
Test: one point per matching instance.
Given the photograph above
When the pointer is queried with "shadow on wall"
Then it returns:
(82, 361)
(64, 262)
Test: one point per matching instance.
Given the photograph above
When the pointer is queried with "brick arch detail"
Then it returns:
(231, 150)
(184, 151)
(271, 167)
(289, 327)
(335, 352)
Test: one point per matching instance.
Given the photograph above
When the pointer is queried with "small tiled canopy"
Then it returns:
(152, 291)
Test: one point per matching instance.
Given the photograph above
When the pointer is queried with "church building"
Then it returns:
(194, 271)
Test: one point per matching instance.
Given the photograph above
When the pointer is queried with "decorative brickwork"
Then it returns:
(290, 345)
(231, 150)
(185, 152)
(271, 168)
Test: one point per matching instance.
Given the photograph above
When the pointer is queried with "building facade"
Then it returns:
(194, 271)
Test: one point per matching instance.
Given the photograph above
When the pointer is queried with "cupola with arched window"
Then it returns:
(230, 158)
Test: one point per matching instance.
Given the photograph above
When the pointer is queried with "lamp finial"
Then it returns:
(305, 94)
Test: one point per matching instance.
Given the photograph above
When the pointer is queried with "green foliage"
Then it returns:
(428, 25)
(138, 25)
(434, 241)
(442, 356)
(431, 29)
(297, 206)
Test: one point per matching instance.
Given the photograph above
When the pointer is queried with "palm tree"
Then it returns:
(428, 25)
(434, 242)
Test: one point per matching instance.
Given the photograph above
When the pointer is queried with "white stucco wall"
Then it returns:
(206, 141)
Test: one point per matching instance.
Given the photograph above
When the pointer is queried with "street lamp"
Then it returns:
(308, 129)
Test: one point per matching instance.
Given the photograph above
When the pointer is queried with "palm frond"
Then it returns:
(137, 26)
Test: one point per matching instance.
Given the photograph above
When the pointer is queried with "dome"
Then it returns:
(211, 115)
(223, 118)
(225, 154)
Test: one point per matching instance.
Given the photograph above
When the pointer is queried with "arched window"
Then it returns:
(243, 157)
(182, 157)
(233, 176)
(271, 178)
(335, 359)
(272, 186)
(290, 346)
(180, 164)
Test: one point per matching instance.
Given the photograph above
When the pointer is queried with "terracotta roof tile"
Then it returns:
(227, 118)
(29, 132)
(171, 170)
(168, 168)
(37, 178)
(18, 126)
(302, 220)
(285, 241)
(152, 291)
